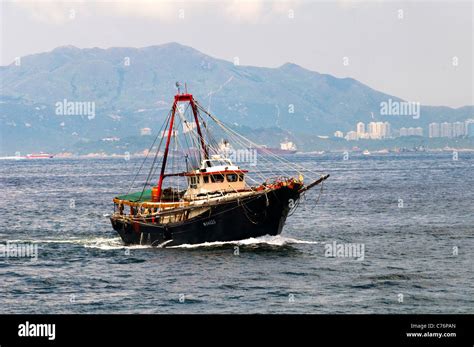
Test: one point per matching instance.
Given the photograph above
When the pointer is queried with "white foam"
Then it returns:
(107, 243)
(269, 240)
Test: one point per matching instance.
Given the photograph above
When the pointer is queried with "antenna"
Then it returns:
(177, 86)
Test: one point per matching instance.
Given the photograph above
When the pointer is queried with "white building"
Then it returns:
(338, 134)
(446, 130)
(411, 131)
(351, 136)
(458, 129)
(433, 130)
(360, 129)
(418, 131)
(470, 127)
(379, 130)
(374, 130)
(387, 132)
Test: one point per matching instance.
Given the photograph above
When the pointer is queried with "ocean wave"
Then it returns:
(107, 243)
(262, 240)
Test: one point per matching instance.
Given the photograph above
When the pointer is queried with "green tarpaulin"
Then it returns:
(135, 197)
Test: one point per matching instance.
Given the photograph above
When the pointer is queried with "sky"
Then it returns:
(420, 51)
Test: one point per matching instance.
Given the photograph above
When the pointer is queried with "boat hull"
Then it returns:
(263, 214)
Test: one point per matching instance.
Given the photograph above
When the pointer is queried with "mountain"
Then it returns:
(132, 88)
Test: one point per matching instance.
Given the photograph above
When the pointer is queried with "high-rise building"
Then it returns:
(387, 130)
(418, 131)
(351, 136)
(379, 130)
(470, 127)
(372, 130)
(338, 134)
(433, 130)
(458, 129)
(411, 131)
(360, 129)
(446, 130)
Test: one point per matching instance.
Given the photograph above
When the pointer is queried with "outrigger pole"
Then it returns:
(179, 98)
(315, 183)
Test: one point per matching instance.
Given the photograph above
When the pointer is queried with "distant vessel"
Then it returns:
(40, 155)
(314, 152)
(286, 147)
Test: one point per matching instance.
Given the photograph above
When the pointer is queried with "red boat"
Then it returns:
(40, 155)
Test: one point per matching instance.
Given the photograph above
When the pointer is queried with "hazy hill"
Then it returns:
(130, 97)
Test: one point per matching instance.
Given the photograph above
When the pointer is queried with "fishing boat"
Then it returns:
(208, 196)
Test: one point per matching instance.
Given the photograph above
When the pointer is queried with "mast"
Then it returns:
(198, 128)
(179, 98)
(165, 156)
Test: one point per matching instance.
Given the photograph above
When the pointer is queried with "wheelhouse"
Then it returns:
(215, 175)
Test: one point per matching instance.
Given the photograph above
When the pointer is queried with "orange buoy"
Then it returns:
(154, 194)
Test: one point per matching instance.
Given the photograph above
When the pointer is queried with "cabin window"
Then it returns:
(193, 182)
(231, 177)
(206, 179)
(241, 177)
(217, 178)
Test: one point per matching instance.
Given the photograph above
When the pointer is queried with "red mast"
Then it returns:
(165, 156)
(179, 98)
(198, 127)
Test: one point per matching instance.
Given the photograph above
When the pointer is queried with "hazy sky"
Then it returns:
(418, 50)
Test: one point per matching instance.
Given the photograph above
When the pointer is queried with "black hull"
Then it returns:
(264, 214)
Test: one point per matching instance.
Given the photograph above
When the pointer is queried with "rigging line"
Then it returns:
(189, 130)
(257, 171)
(211, 139)
(230, 132)
(233, 171)
(293, 165)
(155, 158)
(144, 160)
(272, 163)
(182, 118)
(195, 142)
(237, 140)
(320, 193)
(233, 133)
